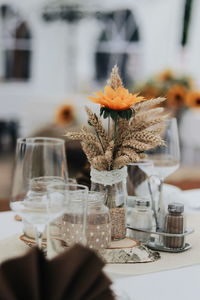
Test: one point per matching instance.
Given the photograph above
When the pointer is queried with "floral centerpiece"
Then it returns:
(175, 88)
(133, 127)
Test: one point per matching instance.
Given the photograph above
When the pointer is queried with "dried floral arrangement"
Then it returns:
(131, 127)
(176, 88)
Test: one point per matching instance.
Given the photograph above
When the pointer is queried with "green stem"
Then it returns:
(115, 130)
(109, 127)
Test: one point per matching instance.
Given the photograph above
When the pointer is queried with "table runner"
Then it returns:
(12, 246)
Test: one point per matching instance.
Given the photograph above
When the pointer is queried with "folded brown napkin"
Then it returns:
(75, 275)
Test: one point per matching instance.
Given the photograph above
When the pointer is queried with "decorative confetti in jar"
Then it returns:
(98, 224)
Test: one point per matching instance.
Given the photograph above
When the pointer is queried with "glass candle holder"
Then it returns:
(70, 228)
(98, 227)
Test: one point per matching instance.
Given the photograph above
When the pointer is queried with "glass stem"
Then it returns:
(38, 237)
(161, 208)
(153, 202)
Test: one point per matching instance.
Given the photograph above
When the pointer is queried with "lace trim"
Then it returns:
(108, 177)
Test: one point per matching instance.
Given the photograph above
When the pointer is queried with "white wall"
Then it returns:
(52, 80)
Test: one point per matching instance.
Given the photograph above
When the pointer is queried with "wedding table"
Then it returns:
(174, 276)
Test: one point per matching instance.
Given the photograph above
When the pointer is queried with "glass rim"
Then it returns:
(40, 141)
(99, 197)
(171, 119)
(142, 162)
(82, 187)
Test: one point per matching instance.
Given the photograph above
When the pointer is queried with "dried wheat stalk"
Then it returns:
(115, 81)
(94, 121)
(147, 104)
(109, 154)
(82, 135)
(100, 163)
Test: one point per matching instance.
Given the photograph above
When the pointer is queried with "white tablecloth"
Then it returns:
(174, 284)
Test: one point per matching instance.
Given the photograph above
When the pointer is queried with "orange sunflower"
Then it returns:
(150, 91)
(65, 114)
(176, 96)
(166, 75)
(193, 99)
(115, 99)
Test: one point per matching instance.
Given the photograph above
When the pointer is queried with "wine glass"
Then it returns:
(166, 161)
(140, 175)
(38, 162)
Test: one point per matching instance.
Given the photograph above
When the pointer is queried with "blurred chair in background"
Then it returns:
(9, 132)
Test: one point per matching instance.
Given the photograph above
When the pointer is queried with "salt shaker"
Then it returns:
(174, 223)
(141, 217)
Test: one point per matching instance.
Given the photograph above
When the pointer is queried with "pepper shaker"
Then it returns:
(174, 223)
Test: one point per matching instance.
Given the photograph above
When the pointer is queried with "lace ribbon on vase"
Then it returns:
(108, 177)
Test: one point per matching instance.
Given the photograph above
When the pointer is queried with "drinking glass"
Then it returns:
(38, 162)
(70, 228)
(166, 161)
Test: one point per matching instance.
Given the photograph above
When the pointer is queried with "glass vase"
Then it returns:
(113, 184)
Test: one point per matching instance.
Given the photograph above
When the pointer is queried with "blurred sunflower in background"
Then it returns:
(176, 96)
(193, 99)
(174, 87)
(65, 115)
(166, 75)
(150, 91)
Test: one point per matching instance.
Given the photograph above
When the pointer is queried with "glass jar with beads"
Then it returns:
(98, 225)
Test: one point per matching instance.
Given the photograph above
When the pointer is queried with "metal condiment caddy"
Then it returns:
(156, 238)
(173, 239)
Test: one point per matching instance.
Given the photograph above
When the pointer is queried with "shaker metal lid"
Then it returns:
(143, 202)
(176, 207)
